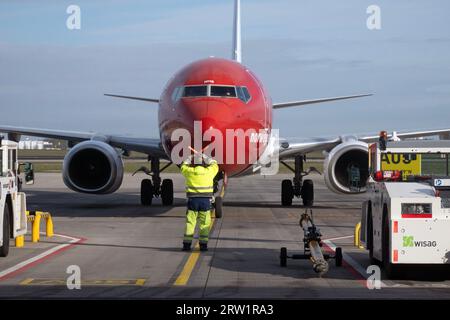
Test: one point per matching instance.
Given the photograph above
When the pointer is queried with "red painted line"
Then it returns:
(419, 215)
(43, 259)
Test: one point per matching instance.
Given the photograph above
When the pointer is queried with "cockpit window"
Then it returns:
(212, 91)
(176, 93)
(247, 94)
(195, 91)
(223, 91)
(243, 94)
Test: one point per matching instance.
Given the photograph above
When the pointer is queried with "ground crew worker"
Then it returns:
(199, 191)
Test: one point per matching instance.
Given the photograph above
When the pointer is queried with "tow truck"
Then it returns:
(13, 218)
(406, 219)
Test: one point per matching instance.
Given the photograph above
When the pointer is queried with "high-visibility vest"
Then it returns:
(200, 179)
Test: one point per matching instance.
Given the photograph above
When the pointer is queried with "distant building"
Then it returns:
(28, 144)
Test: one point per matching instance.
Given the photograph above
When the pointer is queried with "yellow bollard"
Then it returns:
(49, 226)
(36, 227)
(357, 240)
(357, 233)
(20, 241)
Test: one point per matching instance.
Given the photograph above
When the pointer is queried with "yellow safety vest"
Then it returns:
(200, 179)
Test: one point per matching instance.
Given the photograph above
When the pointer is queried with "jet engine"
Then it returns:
(93, 167)
(350, 155)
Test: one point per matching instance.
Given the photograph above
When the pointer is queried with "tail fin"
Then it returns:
(237, 48)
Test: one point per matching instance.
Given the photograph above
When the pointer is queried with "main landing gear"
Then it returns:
(298, 187)
(153, 187)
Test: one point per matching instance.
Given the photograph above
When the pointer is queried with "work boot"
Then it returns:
(186, 246)
(203, 247)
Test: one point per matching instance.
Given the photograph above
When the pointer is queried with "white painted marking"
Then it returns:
(338, 238)
(44, 254)
(353, 263)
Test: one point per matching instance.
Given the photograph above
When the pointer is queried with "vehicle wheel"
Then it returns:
(338, 257)
(146, 192)
(167, 192)
(283, 257)
(287, 193)
(373, 260)
(389, 268)
(218, 206)
(308, 193)
(4, 249)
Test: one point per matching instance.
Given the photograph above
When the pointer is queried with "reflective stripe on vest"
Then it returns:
(199, 194)
(200, 190)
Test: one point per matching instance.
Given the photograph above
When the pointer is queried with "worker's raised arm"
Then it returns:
(185, 166)
(213, 167)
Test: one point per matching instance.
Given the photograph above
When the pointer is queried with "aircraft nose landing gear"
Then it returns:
(154, 188)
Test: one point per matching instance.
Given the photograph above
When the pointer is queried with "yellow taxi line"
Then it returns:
(190, 264)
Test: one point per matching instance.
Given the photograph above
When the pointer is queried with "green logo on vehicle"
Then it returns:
(408, 241)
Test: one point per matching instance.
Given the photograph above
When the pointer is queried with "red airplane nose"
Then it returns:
(209, 113)
(195, 108)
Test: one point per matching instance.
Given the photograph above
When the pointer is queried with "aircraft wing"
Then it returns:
(145, 145)
(292, 147)
(314, 101)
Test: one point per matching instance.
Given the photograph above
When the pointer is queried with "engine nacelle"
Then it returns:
(340, 159)
(93, 167)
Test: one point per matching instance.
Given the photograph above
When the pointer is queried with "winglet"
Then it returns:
(237, 47)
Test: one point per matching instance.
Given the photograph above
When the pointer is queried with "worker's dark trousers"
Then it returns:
(198, 208)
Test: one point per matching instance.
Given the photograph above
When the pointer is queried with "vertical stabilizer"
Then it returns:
(237, 48)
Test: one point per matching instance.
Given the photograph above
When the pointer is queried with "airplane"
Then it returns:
(220, 93)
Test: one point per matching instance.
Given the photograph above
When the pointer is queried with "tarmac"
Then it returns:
(123, 250)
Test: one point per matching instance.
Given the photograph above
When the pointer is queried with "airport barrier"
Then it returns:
(35, 218)
(357, 238)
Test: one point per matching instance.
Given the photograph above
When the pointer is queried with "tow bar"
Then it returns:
(312, 247)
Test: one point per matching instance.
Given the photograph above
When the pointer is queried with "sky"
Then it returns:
(53, 77)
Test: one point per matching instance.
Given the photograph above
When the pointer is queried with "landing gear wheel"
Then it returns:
(218, 205)
(287, 193)
(4, 249)
(167, 192)
(146, 192)
(338, 257)
(283, 257)
(307, 193)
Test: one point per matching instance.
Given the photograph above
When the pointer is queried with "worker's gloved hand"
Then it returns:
(208, 160)
(188, 160)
